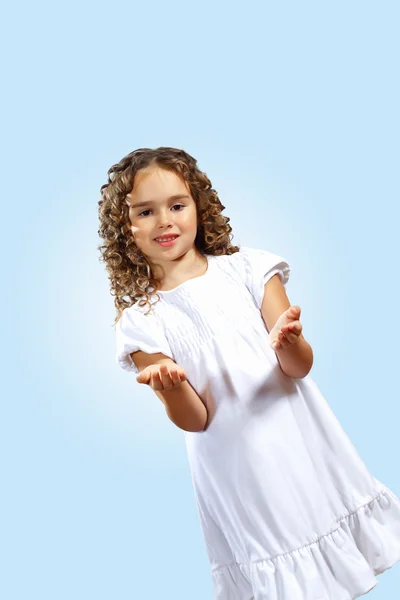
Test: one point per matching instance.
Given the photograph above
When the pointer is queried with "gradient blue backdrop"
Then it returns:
(292, 110)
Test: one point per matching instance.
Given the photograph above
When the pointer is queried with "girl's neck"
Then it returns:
(172, 282)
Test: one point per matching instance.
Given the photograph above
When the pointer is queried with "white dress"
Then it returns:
(287, 507)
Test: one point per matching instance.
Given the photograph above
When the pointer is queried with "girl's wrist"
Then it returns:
(297, 359)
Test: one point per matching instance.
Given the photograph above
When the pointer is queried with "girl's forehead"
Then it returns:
(152, 178)
(154, 174)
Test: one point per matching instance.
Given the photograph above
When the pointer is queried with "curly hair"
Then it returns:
(129, 272)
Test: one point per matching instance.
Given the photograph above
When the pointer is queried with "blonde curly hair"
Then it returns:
(129, 272)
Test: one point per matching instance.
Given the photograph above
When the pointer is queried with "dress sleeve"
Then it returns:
(136, 331)
(259, 267)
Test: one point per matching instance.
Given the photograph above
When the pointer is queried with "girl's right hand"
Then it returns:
(162, 376)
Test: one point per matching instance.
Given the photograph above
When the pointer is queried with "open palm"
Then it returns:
(287, 329)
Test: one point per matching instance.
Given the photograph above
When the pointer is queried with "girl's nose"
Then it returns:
(165, 219)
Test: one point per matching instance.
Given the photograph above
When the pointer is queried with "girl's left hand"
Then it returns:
(287, 329)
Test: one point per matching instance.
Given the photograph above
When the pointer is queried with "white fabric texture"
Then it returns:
(288, 509)
(137, 331)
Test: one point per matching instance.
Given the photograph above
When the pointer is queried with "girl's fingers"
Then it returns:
(175, 376)
(284, 339)
(277, 343)
(295, 327)
(156, 381)
(292, 338)
(142, 378)
(162, 378)
(165, 377)
(295, 309)
(170, 376)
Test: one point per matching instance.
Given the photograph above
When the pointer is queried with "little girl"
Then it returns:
(287, 507)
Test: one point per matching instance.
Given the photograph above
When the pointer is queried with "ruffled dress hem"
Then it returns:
(340, 565)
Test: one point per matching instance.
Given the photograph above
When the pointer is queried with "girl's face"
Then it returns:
(166, 207)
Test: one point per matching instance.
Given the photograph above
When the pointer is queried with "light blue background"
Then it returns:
(292, 109)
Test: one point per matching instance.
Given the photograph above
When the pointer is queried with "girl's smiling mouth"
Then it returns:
(169, 241)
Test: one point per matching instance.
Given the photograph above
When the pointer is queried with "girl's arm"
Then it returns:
(296, 359)
(183, 405)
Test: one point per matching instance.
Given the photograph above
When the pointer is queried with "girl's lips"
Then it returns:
(167, 243)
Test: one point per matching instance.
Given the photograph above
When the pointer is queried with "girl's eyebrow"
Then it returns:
(147, 202)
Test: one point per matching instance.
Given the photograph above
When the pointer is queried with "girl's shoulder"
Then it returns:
(253, 267)
(139, 315)
(248, 261)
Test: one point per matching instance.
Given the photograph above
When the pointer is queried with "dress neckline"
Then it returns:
(191, 280)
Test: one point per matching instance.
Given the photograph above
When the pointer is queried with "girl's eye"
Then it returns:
(149, 210)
